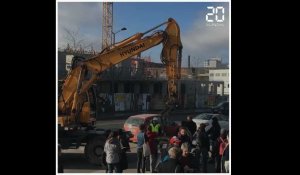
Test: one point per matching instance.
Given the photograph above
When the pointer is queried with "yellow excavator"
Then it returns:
(75, 127)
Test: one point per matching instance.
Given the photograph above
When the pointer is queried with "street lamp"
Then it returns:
(114, 34)
(113, 68)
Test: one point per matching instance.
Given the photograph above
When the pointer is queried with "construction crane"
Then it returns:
(107, 24)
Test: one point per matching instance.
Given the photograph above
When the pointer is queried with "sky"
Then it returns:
(201, 40)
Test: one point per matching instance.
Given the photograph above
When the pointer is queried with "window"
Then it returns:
(224, 74)
(217, 74)
(211, 74)
(228, 85)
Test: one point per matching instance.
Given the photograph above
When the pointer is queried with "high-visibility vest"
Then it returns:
(155, 128)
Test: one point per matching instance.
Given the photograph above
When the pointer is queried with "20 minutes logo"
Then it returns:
(216, 16)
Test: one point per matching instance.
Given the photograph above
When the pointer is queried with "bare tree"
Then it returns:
(73, 37)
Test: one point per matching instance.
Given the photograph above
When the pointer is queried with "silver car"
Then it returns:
(206, 118)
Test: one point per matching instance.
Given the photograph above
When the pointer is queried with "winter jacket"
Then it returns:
(112, 149)
(202, 140)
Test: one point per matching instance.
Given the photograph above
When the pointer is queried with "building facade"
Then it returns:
(140, 84)
(220, 75)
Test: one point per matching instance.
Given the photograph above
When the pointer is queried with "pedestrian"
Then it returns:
(155, 126)
(191, 125)
(186, 159)
(221, 142)
(225, 157)
(124, 143)
(112, 149)
(214, 133)
(141, 159)
(151, 139)
(171, 165)
(203, 144)
(183, 137)
(173, 142)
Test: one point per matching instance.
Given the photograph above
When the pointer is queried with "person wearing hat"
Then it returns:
(203, 144)
(155, 126)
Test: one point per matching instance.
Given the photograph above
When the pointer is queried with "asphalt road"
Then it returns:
(75, 162)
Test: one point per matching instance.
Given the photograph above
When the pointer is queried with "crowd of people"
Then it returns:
(187, 151)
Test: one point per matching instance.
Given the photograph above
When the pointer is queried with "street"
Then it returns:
(74, 162)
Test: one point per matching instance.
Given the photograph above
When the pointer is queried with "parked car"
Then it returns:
(133, 122)
(221, 108)
(206, 118)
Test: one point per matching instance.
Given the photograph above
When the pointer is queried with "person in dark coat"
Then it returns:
(215, 130)
(124, 142)
(190, 125)
(214, 133)
(203, 144)
(186, 160)
(183, 137)
(171, 165)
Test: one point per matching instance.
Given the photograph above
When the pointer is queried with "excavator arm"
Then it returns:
(72, 106)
